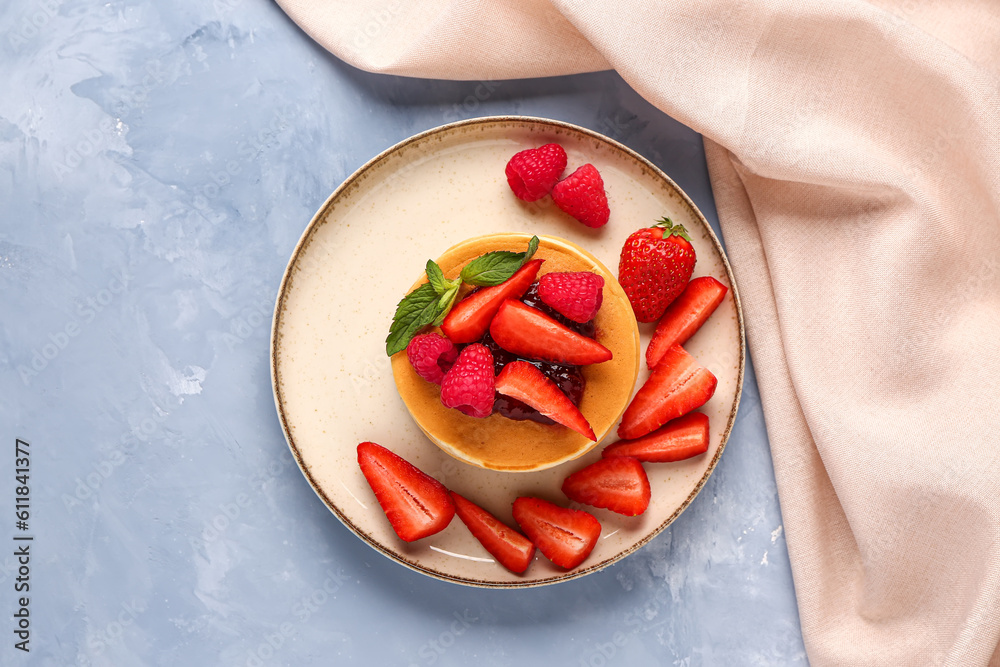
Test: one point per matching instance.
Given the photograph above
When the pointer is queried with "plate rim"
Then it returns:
(315, 223)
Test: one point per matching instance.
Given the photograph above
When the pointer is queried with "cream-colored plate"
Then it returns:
(333, 383)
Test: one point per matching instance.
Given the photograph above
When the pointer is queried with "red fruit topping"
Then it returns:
(577, 296)
(512, 549)
(565, 536)
(468, 386)
(532, 299)
(416, 504)
(471, 317)
(655, 266)
(431, 355)
(618, 484)
(685, 316)
(569, 379)
(524, 382)
(581, 195)
(680, 439)
(530, 333)
(532, 173)
(676, 386)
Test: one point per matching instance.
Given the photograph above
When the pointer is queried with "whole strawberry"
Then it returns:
(655, 266)
(532, 173)
(581, 195)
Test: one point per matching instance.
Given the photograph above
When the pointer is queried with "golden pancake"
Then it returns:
(499, 443)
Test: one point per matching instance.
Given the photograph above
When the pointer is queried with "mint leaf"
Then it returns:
(436, 277)
(494, 268)
(442, 285)
(445, 303)
(416, 310)
(532, 247)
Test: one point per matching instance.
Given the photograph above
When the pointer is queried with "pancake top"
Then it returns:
(499, 443)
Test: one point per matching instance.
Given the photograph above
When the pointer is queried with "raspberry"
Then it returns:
(577, 295)
(431, 355)
(581, 195)
(532, 173)
(468, 386)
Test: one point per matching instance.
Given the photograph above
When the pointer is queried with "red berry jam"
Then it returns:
(568, 378)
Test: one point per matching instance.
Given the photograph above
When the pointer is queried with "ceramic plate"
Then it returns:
(333, 384)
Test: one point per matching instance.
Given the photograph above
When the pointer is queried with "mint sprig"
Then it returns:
(427, 305)
(418, 309)
(430, 303)
(495, 267)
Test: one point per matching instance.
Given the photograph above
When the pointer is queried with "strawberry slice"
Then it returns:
(523, 381)
(618, 484)
(676, 386)
(565, 536)
(680, 439)
(471, 317)
(530, 333)
(416, 504)
(685, 316)
(512, 549)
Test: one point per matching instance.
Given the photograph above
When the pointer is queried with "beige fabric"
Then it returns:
(854, 149)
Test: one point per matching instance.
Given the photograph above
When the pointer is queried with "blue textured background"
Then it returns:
(158, 162)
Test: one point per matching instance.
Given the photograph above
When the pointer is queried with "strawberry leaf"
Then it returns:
(495, 267)
(671, 229)
(418, 309)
